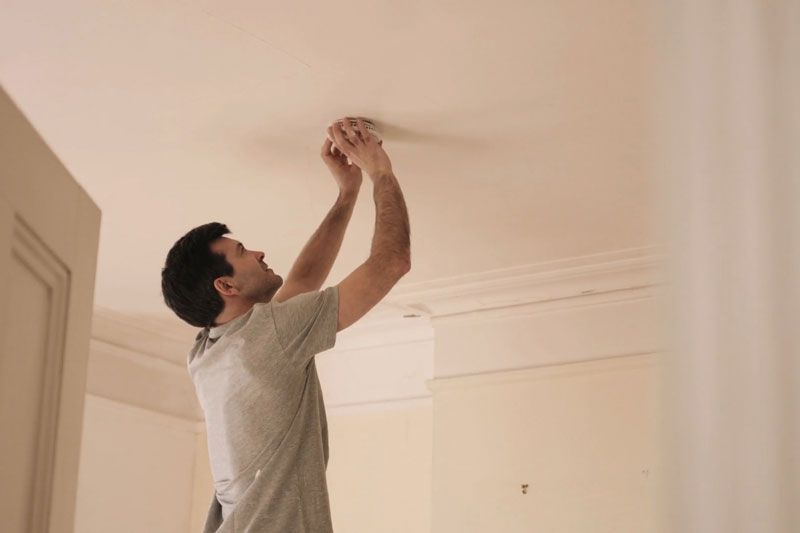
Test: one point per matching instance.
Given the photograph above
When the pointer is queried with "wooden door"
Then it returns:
(49, 231)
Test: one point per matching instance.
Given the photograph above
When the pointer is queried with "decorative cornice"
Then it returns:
(398, 316)
(408, 314)
(529, 374)
(169, 340)
(382, 406)
(539, 283)
(140, 379)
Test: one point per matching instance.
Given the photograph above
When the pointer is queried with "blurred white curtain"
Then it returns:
(727, 153)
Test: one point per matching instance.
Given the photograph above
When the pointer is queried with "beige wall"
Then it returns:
(136, 470)
(582, 436)
(379, 473)
(560, 395)
(203, 483)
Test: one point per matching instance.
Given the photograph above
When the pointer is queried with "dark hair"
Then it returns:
(187, 279)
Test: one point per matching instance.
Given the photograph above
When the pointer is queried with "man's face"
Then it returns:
(251, 275)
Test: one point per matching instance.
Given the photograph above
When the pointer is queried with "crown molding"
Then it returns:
(407, 315)
(548, 371)
(141, 379)
(541, 283)
(408, 311)
(147, 335)
(380, 406)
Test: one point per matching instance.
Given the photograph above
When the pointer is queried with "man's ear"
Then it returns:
(224, 286)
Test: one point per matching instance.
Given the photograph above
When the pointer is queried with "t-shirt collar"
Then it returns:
(216, 332)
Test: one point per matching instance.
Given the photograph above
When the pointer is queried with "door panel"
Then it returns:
(49, 230)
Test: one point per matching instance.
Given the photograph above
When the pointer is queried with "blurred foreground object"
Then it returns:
(726, 157)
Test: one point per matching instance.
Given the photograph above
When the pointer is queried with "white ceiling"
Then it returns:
(516, 128)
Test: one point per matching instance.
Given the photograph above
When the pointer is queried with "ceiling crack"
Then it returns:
(253, 35)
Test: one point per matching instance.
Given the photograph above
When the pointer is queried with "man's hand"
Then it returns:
(347, 175)
(360, 146)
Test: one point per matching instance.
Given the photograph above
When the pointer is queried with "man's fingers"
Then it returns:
(351, 133)
(366, 136)
(326, 147)
(342, 142)
(332, 133)
(329, 149)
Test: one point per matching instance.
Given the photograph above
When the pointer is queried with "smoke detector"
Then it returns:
(368, 124)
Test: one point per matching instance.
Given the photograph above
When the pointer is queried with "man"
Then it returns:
(253, 362)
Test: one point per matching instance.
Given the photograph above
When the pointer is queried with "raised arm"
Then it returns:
(390, 256)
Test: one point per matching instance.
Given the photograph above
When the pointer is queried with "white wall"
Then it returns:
(563, 399)
(379, 473)
(582, 436)
(203, 483)
(136, 470)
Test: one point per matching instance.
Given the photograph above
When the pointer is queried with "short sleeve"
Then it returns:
(306, 324)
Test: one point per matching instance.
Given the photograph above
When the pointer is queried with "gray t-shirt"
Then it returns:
(257, 383)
